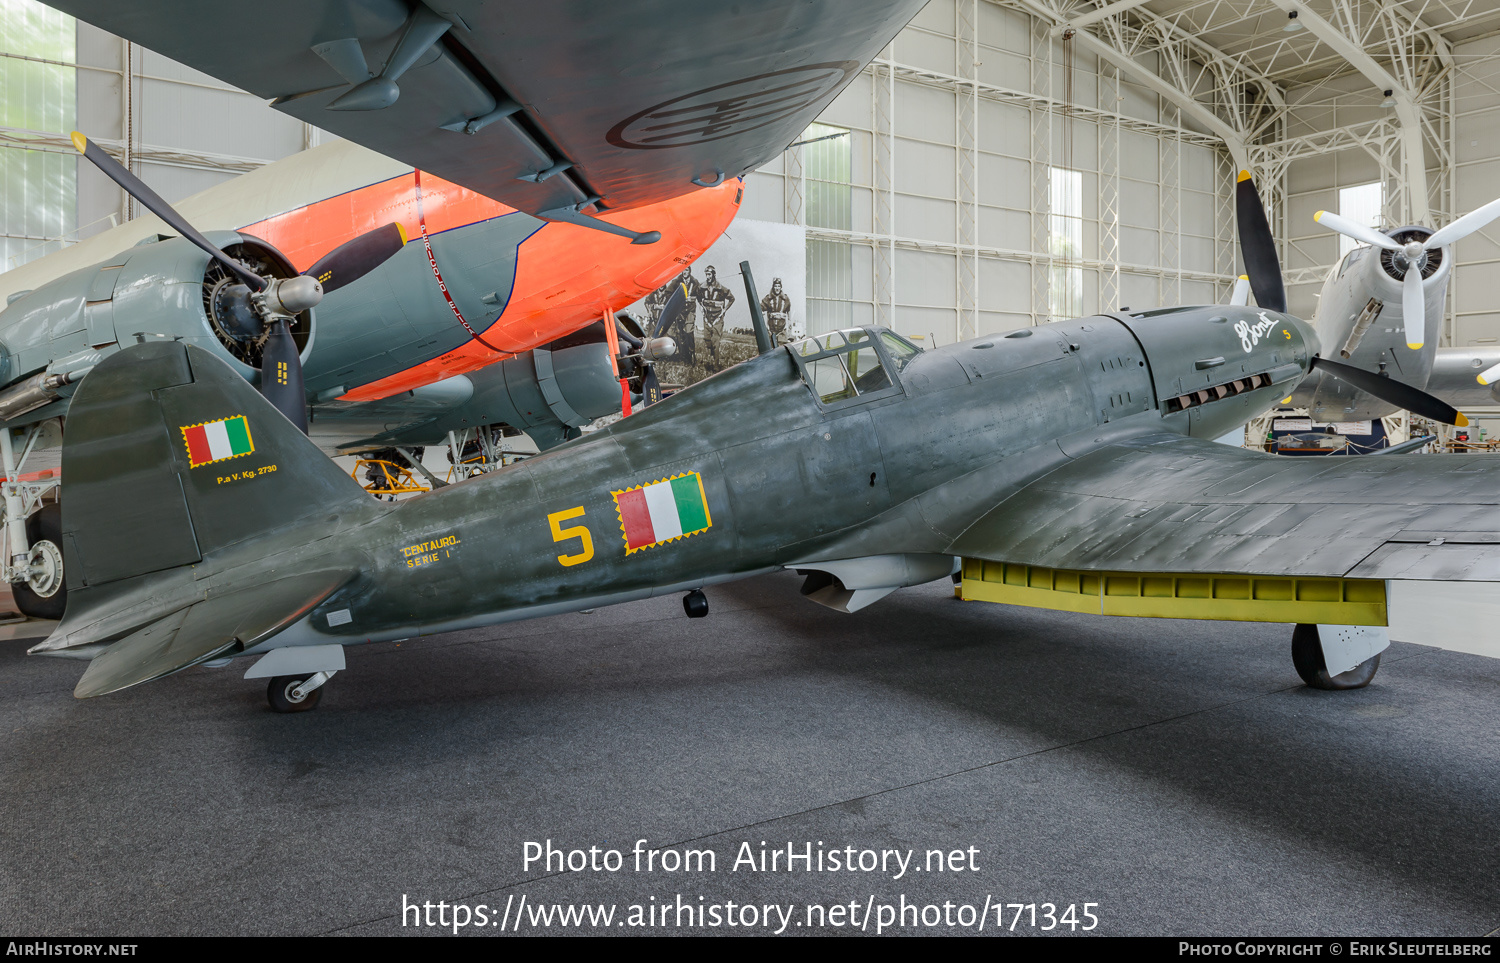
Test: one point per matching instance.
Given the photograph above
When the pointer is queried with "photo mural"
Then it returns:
(715, 332)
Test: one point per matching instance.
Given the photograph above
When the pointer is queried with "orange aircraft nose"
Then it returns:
(567, 276)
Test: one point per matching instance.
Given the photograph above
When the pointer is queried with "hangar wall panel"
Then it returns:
(180, 130)
(949, 195)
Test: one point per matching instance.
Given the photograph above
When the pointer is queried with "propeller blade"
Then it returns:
(1490, 375)
(1241, 293)
(1361, 233)
(650, 387)
(355, 258)
(1464, 226)
(1257, 246)
(1394, 392)
(1412, 308)
(281, 375)
(154, 203)
(671, 311)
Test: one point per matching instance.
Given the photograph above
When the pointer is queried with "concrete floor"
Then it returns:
(1175, 773)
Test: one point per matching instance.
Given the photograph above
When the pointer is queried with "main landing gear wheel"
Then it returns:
(43, 595)
(1307, 656)
(281, 695)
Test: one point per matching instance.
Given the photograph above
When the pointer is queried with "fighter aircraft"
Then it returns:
(1074, 450)
(630, 139)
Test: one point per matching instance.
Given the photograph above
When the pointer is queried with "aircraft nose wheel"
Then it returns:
(283, 696)
(1307, 657)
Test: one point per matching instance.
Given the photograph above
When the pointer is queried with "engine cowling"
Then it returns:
(163, 288)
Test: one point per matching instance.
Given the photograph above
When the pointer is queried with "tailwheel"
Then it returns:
(1307, 657)
(287, 693)
(43, 595)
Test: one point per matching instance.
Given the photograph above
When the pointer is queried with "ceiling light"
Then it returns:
(1390, 99)
(1292, 26)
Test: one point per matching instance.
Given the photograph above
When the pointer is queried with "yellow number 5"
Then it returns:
(577, 531)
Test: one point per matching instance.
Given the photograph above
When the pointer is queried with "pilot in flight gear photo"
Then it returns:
(777, 308)
(716, 300)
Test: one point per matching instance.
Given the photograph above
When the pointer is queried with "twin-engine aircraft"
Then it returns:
(478, 282)
(549, 168)
(1067, 465)
(357, 334)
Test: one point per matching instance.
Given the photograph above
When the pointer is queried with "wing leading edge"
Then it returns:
(1173, 504)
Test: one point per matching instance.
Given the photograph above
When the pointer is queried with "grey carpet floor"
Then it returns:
(1176, 774)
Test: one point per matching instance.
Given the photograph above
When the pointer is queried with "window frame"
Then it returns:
(872, 338)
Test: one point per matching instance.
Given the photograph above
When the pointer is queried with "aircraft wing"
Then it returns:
(1173, 504)
(542, 106)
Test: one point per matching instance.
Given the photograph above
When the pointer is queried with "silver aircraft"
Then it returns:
(1381, 309)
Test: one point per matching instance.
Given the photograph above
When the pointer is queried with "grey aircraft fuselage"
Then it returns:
(793, 471)
(386, 322)
(1363, 291)
(1360, 292)
(392, 336)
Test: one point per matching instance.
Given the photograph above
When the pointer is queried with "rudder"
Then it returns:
(170, 456)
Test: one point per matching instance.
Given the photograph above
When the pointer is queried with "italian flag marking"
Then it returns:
(663, 510)
(217, 440)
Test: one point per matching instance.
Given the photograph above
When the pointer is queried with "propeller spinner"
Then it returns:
(659, 346)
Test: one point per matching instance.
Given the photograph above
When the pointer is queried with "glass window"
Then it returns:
(1065, 224)
(38, 189)
(900, 350)
(866, 370)
(827, 163)
(1361, 204)
(829, 379)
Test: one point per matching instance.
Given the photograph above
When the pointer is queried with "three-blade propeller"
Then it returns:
(1264, 269)
(1414, 253)
(266, 307)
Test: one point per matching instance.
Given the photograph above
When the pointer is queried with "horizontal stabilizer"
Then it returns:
(213, 628)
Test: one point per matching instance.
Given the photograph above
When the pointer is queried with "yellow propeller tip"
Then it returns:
(1480, 379)
(401, 229)
(81, 142)
(1319, 216)
(1244, 277)
(1286, 400)
(1462, 422)
(1244, 176)
(1414, 347)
